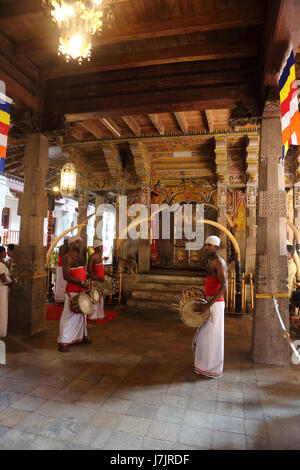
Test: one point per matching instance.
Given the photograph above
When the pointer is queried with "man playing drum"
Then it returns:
(96, 273)
(72, 326)
(60, 283)
(208, 343)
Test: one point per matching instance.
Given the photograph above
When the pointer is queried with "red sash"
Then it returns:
(59, 260)
(80, 274)
(99, 270)
(212, 285)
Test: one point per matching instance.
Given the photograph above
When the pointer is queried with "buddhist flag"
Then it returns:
(290, 116)
(5, 103)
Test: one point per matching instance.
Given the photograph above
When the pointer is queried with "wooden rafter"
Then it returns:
(171, 55)
(92, 127)
(163, 27)
(181, 119)
(111, 126)
(77, 133)
(157, 123)
(133, 125)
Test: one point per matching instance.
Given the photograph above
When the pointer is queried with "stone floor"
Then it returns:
(134, 388)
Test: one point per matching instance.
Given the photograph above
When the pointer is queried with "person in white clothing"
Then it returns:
(5, 281)
(96, 273)
(72, 326)
(208, 343)
(60, 283)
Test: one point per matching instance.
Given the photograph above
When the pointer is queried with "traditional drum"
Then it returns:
(105, 287)
(189, 298)
(95, 295)
(81, 304)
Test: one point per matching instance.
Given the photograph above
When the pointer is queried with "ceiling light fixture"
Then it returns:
(78, 21)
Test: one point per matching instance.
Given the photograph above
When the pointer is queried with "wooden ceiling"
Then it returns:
(165, 67)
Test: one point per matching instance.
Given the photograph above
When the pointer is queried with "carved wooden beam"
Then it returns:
(157, 123)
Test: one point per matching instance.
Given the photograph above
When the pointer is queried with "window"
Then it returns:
(5, 218)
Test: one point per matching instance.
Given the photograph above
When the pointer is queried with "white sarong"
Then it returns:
(208, 343)
(60, 285)
(72, 326)
(4, 292)
(98, 311)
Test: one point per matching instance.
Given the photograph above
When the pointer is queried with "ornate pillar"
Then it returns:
(252, 173)
(83, 201)
(142, 162)
(27, 308)
(297, 192)
(222, 164)
(269, 346)
(116, 183)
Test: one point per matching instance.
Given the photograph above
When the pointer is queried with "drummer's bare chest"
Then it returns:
(75, 261)
(211, 267)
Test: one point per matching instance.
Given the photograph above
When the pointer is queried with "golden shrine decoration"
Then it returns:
(77, 21)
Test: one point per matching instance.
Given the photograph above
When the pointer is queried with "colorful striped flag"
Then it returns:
(5, 103)
(290, 116)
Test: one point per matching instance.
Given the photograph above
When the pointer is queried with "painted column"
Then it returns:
(269, 346)
(27, 308)
(297, 193)
(83, 201)
(142, 163)
(144, 263)
(222, 164)
(251, 188)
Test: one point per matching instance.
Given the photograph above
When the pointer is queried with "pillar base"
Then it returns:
(27, 304)
(269, 345)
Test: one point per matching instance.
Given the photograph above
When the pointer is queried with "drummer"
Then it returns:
(96, 273)
(72, 326)
(208, 343)
(60, 283)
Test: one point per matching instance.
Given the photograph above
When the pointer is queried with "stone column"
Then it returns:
(27, 308)
(269, 346)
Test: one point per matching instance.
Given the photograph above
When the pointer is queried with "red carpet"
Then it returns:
(54, 313)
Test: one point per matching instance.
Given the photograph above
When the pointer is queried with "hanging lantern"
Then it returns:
(77, 22)
(68, 179)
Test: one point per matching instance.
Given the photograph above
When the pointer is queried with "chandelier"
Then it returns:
(68, 179)
(78, 21)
